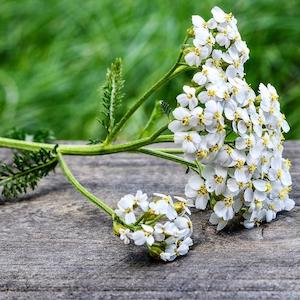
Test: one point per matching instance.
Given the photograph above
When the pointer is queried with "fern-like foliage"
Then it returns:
(41, 135)
(112, 95)
(25, 171)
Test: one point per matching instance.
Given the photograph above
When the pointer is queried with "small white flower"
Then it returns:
(143, 236)
(184, 246)
(125, 235)
(215, 220)
(236, 67)
(183, 120)
(226, 208)
(188, 98)
(200, 27)
(184, 225)
(197, 119)
(269, 98)
(125, 209)
(196, 188)
(141, 200)
(213, 114)
(254, 218)
(197, 54)
(215, 179)
(161, 231)
(189, 140)
(208, 74)
(164, 206)
(220, 16)
(279, 172)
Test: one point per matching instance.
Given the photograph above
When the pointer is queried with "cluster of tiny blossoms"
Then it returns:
(163, 225)
(236, 135)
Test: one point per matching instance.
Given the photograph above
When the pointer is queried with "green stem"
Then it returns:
(24, 145)
(170, 150)
(82, 189)
(165, 138)
(87, 149)
(174, 71)
(167, 156)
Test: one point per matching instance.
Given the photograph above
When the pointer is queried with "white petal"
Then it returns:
(130, 218)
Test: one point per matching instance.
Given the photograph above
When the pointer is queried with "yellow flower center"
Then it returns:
(220, 128)
(229, 150)
(249, 143)
(272, 207)
(283, 193)
(228, 17)
(240, 184)
(236, 63)
(236, 116)
(202, 154)
(219, 179)
(228, 201)
(197, 51)
(202, 191)
(235, 90)
(214, 148)
(217, 63)
(185, 121)
(205, 72)
(288, 163)
(189, 96)
(188, 138)
(201, 119)
(211, 93)
(258, 203)
(268, 187)
(226, 96)
(265, 139)
(217, 116)
(274, 97)
(240, 163)
(252, 168)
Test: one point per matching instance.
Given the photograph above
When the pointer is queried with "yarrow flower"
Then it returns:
(236, 135)
(162, 224)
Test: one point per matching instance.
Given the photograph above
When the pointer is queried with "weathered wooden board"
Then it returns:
(54, 244)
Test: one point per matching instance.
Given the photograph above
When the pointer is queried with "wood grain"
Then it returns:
(54, 244)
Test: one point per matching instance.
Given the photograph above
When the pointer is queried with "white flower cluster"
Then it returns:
(161, 224)
(236, 135)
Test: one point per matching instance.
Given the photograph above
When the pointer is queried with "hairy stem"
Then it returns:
(87, 149)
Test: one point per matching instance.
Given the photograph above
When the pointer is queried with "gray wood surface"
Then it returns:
(54, 244)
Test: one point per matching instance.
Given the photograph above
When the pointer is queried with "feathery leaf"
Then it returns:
(25, 171)
(112, 95)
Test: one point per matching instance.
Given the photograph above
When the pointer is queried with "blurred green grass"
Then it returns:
(54, 55)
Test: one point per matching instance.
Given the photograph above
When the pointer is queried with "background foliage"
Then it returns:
(54, 55)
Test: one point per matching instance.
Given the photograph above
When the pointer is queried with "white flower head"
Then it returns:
(188, 98)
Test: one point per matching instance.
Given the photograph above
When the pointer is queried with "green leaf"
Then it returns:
(231, 137)
(25, 171)
(112, 95)
(153, 121)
